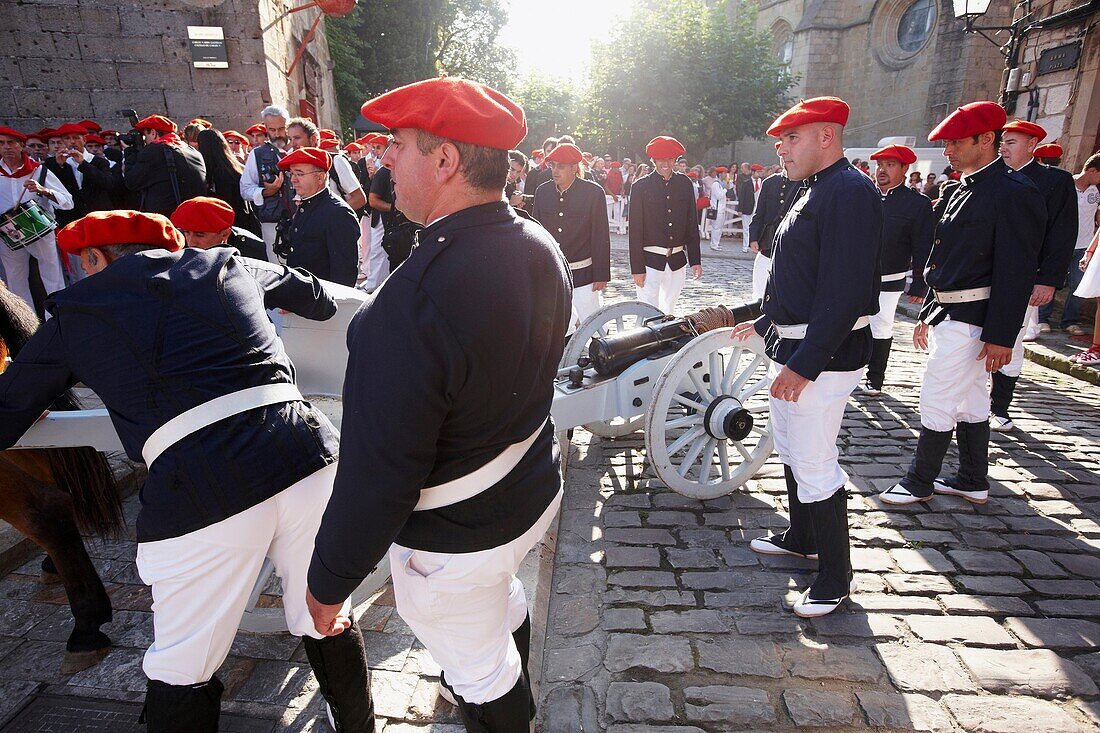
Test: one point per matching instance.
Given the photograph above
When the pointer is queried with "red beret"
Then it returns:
(615, 164)
(756, 167)
(327, 134)
(692, 174)
(329, 144)
(156, 122)
(662, 147)
(69, 128)
(92, 138)
(257, 129)
(721, 169)
(203, 214)
(234, 135)
(201, 123)
(969, 120)
(587, 156)
(1050, 150)
(307, 156)
(105, 133)
(11, 132)
(104, 228)
(536, 153)
(453, 108)
(352, 147)
(565, 153)
(48, 133)
(901, 153)
(90, 125)
(1025, 128)
(817, 109)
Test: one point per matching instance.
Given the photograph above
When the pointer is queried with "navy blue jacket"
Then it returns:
(1059, 239)
(776, 196)
(825, 273)
(907, 227)
(452, 360)
(663, 214)
(577, 219)
(325, 236)
(158, 333)
(990, 236)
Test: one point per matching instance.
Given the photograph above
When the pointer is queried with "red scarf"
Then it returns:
(170, 138)
(26, 169)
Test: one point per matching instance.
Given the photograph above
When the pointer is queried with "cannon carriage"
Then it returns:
(699, 396)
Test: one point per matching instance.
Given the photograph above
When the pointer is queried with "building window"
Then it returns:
(783, 44)
(915, 27)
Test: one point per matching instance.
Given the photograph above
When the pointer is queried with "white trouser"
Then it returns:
(761, 270)
(1031, 328)
(364, 247)
(378, 262)
(268, 229)
(464, 607)
(586, 301)
(954, 388)
(717, 225)
(662, 287)
(882, 323)
(746, 219)
(615, 212)
(202, 580)
(17, 267)
(805, 432)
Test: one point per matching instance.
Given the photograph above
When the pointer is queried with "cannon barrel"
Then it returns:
(610, 355)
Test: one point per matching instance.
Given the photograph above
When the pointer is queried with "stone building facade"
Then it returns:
(73, 59)
(901, 64)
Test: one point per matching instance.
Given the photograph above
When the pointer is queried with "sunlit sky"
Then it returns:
(565, 31)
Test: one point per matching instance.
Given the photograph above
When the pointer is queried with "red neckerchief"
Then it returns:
(28, 167)
(170, 138)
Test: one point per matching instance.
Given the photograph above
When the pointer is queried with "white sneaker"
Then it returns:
(1000, 424)
(766, 546)
(805, 607)
(744, 248)
(1044, 328)
(715, 248)
(974, 497)
(446, 695)
(1030, 336)
(898, 494)
(870, 390)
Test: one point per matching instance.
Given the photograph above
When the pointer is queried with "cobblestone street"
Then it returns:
(974, 618)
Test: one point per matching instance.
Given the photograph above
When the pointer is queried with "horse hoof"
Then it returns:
(77, 661)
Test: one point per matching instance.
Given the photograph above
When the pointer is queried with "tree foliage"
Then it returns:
(385, 44)
(700, 72)
(552, 107)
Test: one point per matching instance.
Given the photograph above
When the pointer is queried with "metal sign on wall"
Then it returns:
(1058, 58)
(207, 47)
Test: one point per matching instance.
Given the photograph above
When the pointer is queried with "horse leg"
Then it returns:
(45, 515)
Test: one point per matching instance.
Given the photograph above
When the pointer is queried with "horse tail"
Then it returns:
(84, 474)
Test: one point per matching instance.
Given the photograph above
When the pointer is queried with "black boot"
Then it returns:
(522, 638)
(340, 663)
(1000, 399)
(508, 714)
(182, 708)
(932, 446)
(972, 480)
(876, 368)
(798, 539)
(834, 577)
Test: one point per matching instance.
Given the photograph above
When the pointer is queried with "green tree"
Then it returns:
(700, 72)
(552, 107)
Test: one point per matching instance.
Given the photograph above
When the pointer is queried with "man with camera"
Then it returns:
(162, 170)
(263, 184)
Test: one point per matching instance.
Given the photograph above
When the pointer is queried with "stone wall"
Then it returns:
(70, 59)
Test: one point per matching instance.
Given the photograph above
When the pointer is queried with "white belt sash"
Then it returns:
(894, 277)
(664, 251)
(580, 264)
(212, 411)
(798, 330)
(472, 484)
(971, 295)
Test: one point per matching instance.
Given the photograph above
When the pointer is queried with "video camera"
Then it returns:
(133, 138)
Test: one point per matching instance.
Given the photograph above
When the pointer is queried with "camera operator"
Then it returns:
(263, 185)
(164, 172)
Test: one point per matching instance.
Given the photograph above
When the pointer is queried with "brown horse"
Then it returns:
(50, 495)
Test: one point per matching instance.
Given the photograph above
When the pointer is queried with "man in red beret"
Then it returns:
(664, 234)
(540, 173)
(822, 291)
(462, 342)
(907, 228)
(23, 180)
(238, 144)
(613, 186)
(257, 134)
(323, 234)
(207, 222)
(1018, 143)
(979, 277)
(178, 346)
(35, 146)
(574, 211)
(89, 179)
(165, 171)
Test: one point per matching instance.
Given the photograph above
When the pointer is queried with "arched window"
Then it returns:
(916, 25)
(783, 43)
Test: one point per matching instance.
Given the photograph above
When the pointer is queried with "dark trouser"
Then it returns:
(830, 526)
(925, 467)
(1071, 314)
(876, 368)
(340, 663)
(1000, 397)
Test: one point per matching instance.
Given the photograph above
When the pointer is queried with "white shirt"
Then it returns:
(1088, 201)
(11, 189)
(717, 195)
(252, 189)
(88, 158)
(341, 167)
